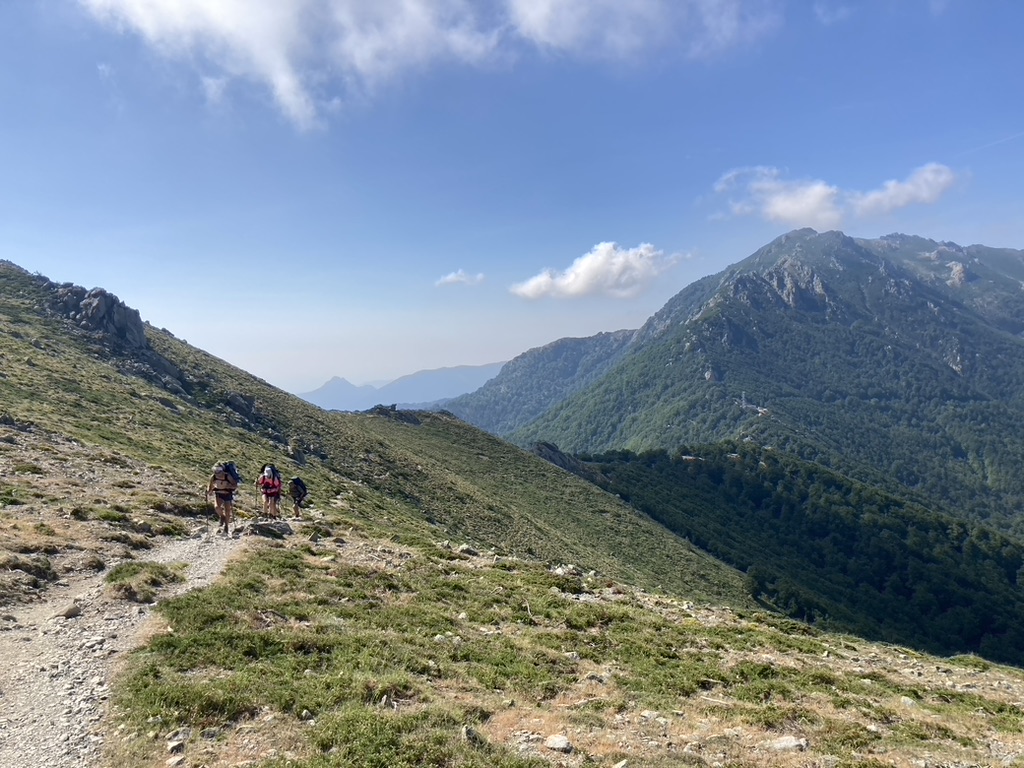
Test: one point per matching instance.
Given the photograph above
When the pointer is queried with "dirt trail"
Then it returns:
(55, 670)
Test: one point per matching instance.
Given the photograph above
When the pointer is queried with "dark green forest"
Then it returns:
(832, 551)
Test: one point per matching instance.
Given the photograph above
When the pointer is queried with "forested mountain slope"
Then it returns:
(830, 550)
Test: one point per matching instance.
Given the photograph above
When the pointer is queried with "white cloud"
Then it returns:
(297, 47)
(310, 54)
(924, 185)
(762, 191)
(459, 277)
(607, 269)
(807, 203)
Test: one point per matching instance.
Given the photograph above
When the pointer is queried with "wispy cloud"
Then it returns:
(606, 270)
(996, 143)
(459, 277)
(214, 88)
(612, 27)
(763, 191)
(108, 77)
(830, 14)
(311, 54)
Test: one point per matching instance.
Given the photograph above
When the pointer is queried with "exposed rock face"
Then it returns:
(119, 329)
(102, 312)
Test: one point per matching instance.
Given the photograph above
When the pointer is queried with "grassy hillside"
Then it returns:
(437, 478)
(372, 638)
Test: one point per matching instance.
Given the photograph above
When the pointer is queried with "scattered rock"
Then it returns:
(275, 529)
(54, 677)
(69, 612)
(788, 744)
(558, 743)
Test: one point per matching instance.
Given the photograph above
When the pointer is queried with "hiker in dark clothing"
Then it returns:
(297, 490)
(223, 486)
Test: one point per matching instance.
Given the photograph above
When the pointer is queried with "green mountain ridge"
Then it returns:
(893, 360)
(540, 379)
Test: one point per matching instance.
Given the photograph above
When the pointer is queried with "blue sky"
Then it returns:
(367, 188)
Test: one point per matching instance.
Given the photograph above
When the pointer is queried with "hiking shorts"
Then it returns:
(224, 495)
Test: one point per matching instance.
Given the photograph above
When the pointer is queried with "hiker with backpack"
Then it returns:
(269, 483)
(223, 484)
(298, 491)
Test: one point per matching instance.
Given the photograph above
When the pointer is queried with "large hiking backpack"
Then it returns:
(274, 471)
(232, 471)
(225, 478)
(297, 489)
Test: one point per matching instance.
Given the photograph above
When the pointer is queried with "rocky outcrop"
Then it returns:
(101, 312)
(120, 331)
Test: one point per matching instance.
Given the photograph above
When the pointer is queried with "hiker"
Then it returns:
(298, 491)
(223, 484)
(269, 482)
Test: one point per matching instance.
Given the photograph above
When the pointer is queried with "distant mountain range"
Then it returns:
(420, 389)
(897, 361)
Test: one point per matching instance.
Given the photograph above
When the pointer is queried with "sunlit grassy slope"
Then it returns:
(431, 477)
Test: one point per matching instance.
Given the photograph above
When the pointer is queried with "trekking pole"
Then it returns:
(206, 512)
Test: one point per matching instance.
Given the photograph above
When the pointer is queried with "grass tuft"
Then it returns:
(139, 581)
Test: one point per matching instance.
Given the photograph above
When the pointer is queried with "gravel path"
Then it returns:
(57, 658)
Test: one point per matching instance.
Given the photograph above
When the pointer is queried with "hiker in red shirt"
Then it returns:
(269, 483)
